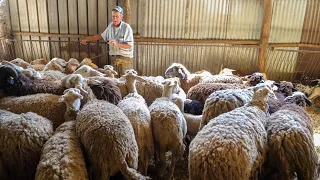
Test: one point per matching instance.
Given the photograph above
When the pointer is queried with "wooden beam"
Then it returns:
(294, 45)
(127, 12)
(265, 34)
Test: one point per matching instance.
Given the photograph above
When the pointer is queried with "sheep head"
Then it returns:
(177, 70)
(87, 61)
(299, 99)
(72, 98)
(8, 76)
(255, 78)
(20, 62)
(286, 88)
(108, 70)
(72, 65)
(39, 61)
(226, 71)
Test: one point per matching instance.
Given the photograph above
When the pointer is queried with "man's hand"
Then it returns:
(113, 43)
(83, 42)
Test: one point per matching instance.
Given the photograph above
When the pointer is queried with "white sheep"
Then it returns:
(193, 121)
(223, 101)
(169, 129)
(72, 98)
(21, 139)
(62, 157)
(232, 145)
(291, 151)
(108, 71)
(87, 71)
(134, 107)
(56, 64)
(187, 80)
(108, 139)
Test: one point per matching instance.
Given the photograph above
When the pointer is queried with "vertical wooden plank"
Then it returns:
(93, 27)
(43, 28)
(15, 25)
(63, 13)
(73, 28)
(127, 11)
(265, 34)
(134, 15)
(83, 26)
(4, 31)
(24, 26)
(34, 27)
(102, 25)
(52, 8)
(142, 18)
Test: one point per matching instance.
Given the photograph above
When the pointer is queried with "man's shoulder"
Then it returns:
(125, 25)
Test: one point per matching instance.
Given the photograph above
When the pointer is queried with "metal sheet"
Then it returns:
(311, 32)
(153, 59)
(287, 21)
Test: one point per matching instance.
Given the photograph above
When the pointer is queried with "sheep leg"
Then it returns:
(161, 166)
(143, 163)
(130, 173)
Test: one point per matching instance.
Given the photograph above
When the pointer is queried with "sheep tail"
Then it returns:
(130, 173)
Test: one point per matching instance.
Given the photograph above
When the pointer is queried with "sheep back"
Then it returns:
(107, 90)
(221, 79)
(168, 125)
(45, 105)
(231, 146)
(108, 139)
(53, 75)
(134, 107)
(291, 145)
(21, 140)
(62, 156)
(223, 101)
(202, 91)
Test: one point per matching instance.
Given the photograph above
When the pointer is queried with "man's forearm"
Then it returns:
(123, 45)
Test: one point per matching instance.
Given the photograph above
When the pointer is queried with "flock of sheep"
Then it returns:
(70, 120)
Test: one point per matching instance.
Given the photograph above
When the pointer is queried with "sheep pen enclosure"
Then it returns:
(280, 38)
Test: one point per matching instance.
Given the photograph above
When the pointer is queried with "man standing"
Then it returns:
(120, 39)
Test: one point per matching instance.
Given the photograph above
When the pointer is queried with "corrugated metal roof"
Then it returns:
(311, 26)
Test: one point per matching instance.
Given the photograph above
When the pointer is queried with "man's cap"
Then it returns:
(119, 9)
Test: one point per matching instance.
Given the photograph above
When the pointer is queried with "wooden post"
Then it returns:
(265, 34)
(4, 31)
(127, 12)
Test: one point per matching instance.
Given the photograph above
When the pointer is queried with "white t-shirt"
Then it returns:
(120, 34)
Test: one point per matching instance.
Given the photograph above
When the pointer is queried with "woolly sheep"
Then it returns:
(226, 71)
(108, 71)
(202, 91)
(88, 62)
(74, 81)
(193, 121)
(291, 146)
(232, 145)
(52, 75)
(13, 82)
(187, 80)
(56, 64)
(223, 101)
(134, 107)
(62, 157)
(108, 139)
(71, 97)
(46, 105)
(221, 79)
(71, 66)
(87, 71)
(21, 140)
(169, 129)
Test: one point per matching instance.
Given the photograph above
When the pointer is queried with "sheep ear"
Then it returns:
(309, 103)
(135, 72)
(139, 78)
(187, 101)
(65, 91)
(61, 99)
(114, 72)
(276, 84)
